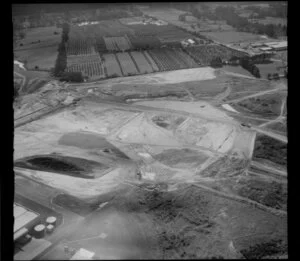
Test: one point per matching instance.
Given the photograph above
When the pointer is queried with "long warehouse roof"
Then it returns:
(22, 217)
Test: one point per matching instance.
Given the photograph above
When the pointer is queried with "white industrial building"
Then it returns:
(24, 219)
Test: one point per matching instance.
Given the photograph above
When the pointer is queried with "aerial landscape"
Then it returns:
(150, 131)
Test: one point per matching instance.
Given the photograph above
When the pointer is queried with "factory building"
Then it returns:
(24, 220)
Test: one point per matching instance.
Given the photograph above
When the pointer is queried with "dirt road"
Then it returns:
(271, 134)
(23, 80)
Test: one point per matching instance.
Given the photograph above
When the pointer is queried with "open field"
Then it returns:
(279, 127)
(269, 193)
(237, 69)
(147, 91)
(268, 105)
(40, 37)
(274, 67)
(268, 149)
(208, 88)
(33, 80)
(38, 58)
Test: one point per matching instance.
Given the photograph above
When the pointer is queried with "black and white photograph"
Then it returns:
(150, 130)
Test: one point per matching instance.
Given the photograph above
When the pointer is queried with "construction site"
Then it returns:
(182, 163)
(173, 163)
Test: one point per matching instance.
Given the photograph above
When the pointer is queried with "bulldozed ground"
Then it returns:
(157, 178)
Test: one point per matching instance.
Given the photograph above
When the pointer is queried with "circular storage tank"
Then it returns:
(50, 228)
(51, 221)
(39, 231)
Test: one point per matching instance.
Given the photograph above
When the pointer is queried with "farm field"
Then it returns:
(94, 70)
(151, 61)
(111, 65)
(75, 59)
(80, 46)
(38, 58)
(117, 43)
(168, 59)
(231, 36)
(142, 63)
(33, 79)
(204, 54)
(127, 65)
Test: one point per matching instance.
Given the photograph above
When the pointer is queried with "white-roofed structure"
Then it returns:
(23, 218)
(83, 254)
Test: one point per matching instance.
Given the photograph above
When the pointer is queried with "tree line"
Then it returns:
(61, 61)
(242, 24)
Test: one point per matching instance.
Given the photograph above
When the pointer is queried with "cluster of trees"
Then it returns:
(71, 77)
(274, 10)
(216, 62)
(242, 24)
(266, 249)
(61, 61)
(249, 65)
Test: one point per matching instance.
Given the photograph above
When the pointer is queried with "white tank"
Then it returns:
(51, 221)
(50, 228)
(39, 231)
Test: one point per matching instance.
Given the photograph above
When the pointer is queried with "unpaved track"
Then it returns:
(271, 134)
(23, 80)
(269, 168)
(279, 118)
(255, 95)
(277, 212)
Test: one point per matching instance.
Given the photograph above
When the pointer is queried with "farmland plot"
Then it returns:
(110, 44)
(143, 65)
(112, 65)
(127, 64)
(150, 61)
(80, 46)
(162, 60)
(205, 53)
(171, 59)
(184, 58)
(75, 59)
(117, 43)
(92, 69)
